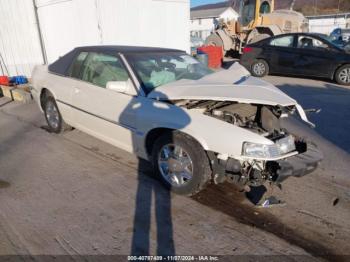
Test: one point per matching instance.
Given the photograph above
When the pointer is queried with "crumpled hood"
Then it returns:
(233, 84)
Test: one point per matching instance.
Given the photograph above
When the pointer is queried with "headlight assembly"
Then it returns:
(281, 147)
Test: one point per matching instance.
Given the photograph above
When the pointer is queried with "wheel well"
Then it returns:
(152, 136)
(335, 71)
(43, 95)
(158, 132)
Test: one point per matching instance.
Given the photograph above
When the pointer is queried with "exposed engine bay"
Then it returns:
(264, 120)
(261, 119)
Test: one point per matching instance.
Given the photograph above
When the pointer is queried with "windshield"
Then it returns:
(158, 69)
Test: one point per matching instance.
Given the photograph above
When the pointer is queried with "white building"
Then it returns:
(203, 20)
(327, 23)
(65, 24)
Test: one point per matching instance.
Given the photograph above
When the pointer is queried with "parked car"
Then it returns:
(166, 107)
(298, 54)
(337, 42)
(340, 34)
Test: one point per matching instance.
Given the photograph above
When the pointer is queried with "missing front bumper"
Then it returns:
(300, 165)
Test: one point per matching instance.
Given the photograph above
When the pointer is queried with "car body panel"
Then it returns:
(298, 61)
(93, 113)
(125, 120)
(234, 84)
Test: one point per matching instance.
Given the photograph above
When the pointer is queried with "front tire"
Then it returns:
(53, 116)
(260, 68)
(342, 75)
(181, 163)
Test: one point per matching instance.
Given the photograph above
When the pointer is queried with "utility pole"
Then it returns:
(41, 39)
(315, 7)
(292, 5)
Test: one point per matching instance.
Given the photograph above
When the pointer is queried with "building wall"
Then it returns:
(19, 38)
(326, 25)
(228, 15)
(202, 27)
(66, 24)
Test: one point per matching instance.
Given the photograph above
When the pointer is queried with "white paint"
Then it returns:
(124, 120)
(66, 24)
(326, 24)
(19, 39)
(202, 27)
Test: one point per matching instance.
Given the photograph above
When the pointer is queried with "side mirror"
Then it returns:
(119, 86)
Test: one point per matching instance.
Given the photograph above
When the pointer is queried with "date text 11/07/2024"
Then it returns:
(173, 258)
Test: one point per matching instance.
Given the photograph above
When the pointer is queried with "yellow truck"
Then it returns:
(257, 20)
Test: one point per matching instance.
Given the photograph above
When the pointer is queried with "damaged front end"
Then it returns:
(288, 155)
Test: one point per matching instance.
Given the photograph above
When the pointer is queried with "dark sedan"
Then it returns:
(298, 54)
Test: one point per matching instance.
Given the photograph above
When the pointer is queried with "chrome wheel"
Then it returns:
(52, 115)
(175, 165)
(344, 75)
(259, 68)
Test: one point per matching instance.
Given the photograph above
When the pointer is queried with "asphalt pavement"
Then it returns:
(72, 194)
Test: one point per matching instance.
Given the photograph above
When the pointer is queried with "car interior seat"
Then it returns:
(306, 43)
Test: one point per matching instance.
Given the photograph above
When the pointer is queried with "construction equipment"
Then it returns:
(257, 20)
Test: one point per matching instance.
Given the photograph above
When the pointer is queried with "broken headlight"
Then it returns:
(281, 147)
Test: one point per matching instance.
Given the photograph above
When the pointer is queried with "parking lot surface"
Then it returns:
(72, 194)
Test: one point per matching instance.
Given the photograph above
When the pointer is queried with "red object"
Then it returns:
(215, 55)
(4, 80)
(247, 50)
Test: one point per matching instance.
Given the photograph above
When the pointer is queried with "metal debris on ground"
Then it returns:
(272, 201)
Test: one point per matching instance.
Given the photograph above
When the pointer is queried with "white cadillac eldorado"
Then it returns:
(193, 124)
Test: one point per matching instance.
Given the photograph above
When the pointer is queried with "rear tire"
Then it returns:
(260, 68)
(186, 173)
(342, 75)
(53, 116)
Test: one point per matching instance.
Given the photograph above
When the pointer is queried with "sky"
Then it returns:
(203, 2)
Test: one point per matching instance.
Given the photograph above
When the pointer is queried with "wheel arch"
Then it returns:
(337, 68)
(155, 133)
(45, 92)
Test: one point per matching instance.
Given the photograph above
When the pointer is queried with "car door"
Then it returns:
(98, 109)
(281, 54)
(63, 87)
(315, 56)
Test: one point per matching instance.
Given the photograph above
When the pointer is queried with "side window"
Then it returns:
(311, 43)
(74, 70)
(285, 41)
(99, 69)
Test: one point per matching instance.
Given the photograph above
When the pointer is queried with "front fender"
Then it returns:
(213, 134)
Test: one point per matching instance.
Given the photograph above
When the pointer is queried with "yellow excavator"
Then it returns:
(257, 20)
